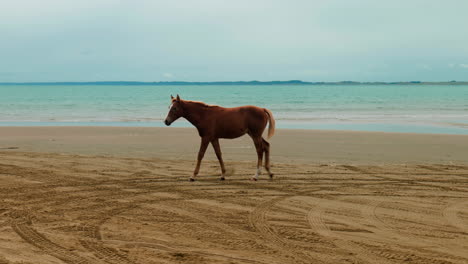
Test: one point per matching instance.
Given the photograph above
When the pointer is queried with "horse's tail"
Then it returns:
(271, 120)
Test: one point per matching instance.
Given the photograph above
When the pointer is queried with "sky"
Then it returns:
(225, 40)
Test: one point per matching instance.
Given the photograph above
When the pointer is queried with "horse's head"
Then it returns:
(175, 110)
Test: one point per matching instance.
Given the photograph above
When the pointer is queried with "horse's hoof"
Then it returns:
(253, 179)
(192, 179)
(271, 175)
(222, 179)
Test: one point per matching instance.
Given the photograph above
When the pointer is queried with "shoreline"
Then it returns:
(288, 145)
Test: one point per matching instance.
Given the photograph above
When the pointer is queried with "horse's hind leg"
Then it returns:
(266, 148)
(259, 147)
(217, 150)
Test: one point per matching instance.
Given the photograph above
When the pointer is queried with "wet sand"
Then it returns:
(296, 146)
(121, 195)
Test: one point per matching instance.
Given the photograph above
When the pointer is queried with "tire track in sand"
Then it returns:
(257, 219)
(408, 240)
(369, 212)
(317, 223)
(95, 244)
(22, 225)
(451, 215)
(182, 249)
(178, 207)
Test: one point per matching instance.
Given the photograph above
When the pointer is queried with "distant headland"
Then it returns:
(291, 82)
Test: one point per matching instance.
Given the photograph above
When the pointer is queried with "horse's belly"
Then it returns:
(231, 130)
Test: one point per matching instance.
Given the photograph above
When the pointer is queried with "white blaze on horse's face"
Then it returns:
(169, 120)
(174, 113)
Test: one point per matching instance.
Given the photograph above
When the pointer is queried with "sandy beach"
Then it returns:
(122, 195)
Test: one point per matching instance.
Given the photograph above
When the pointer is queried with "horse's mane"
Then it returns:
(199, 103)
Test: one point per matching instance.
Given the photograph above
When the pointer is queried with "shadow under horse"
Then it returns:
(215, 122)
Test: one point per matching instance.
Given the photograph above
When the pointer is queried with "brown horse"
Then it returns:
(215, 122)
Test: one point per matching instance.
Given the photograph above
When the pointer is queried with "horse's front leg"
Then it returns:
(217, 149)
(201, 153)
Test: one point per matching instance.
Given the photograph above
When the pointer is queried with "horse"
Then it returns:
(214, 122)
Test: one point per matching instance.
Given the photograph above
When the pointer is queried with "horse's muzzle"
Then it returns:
(167, 122)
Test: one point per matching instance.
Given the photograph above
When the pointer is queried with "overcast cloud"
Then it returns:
(215, 40)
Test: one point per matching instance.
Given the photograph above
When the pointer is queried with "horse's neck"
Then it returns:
(194, 113)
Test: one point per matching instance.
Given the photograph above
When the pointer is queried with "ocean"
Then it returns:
(387, 108)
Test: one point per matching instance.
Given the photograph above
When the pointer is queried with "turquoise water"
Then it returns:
(390, 108)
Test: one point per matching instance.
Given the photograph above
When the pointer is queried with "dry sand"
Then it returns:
(121, 195)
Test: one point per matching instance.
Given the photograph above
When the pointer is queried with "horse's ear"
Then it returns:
(178, 98)
(172, 97)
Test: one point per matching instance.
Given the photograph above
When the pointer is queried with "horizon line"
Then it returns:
(226, 82)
